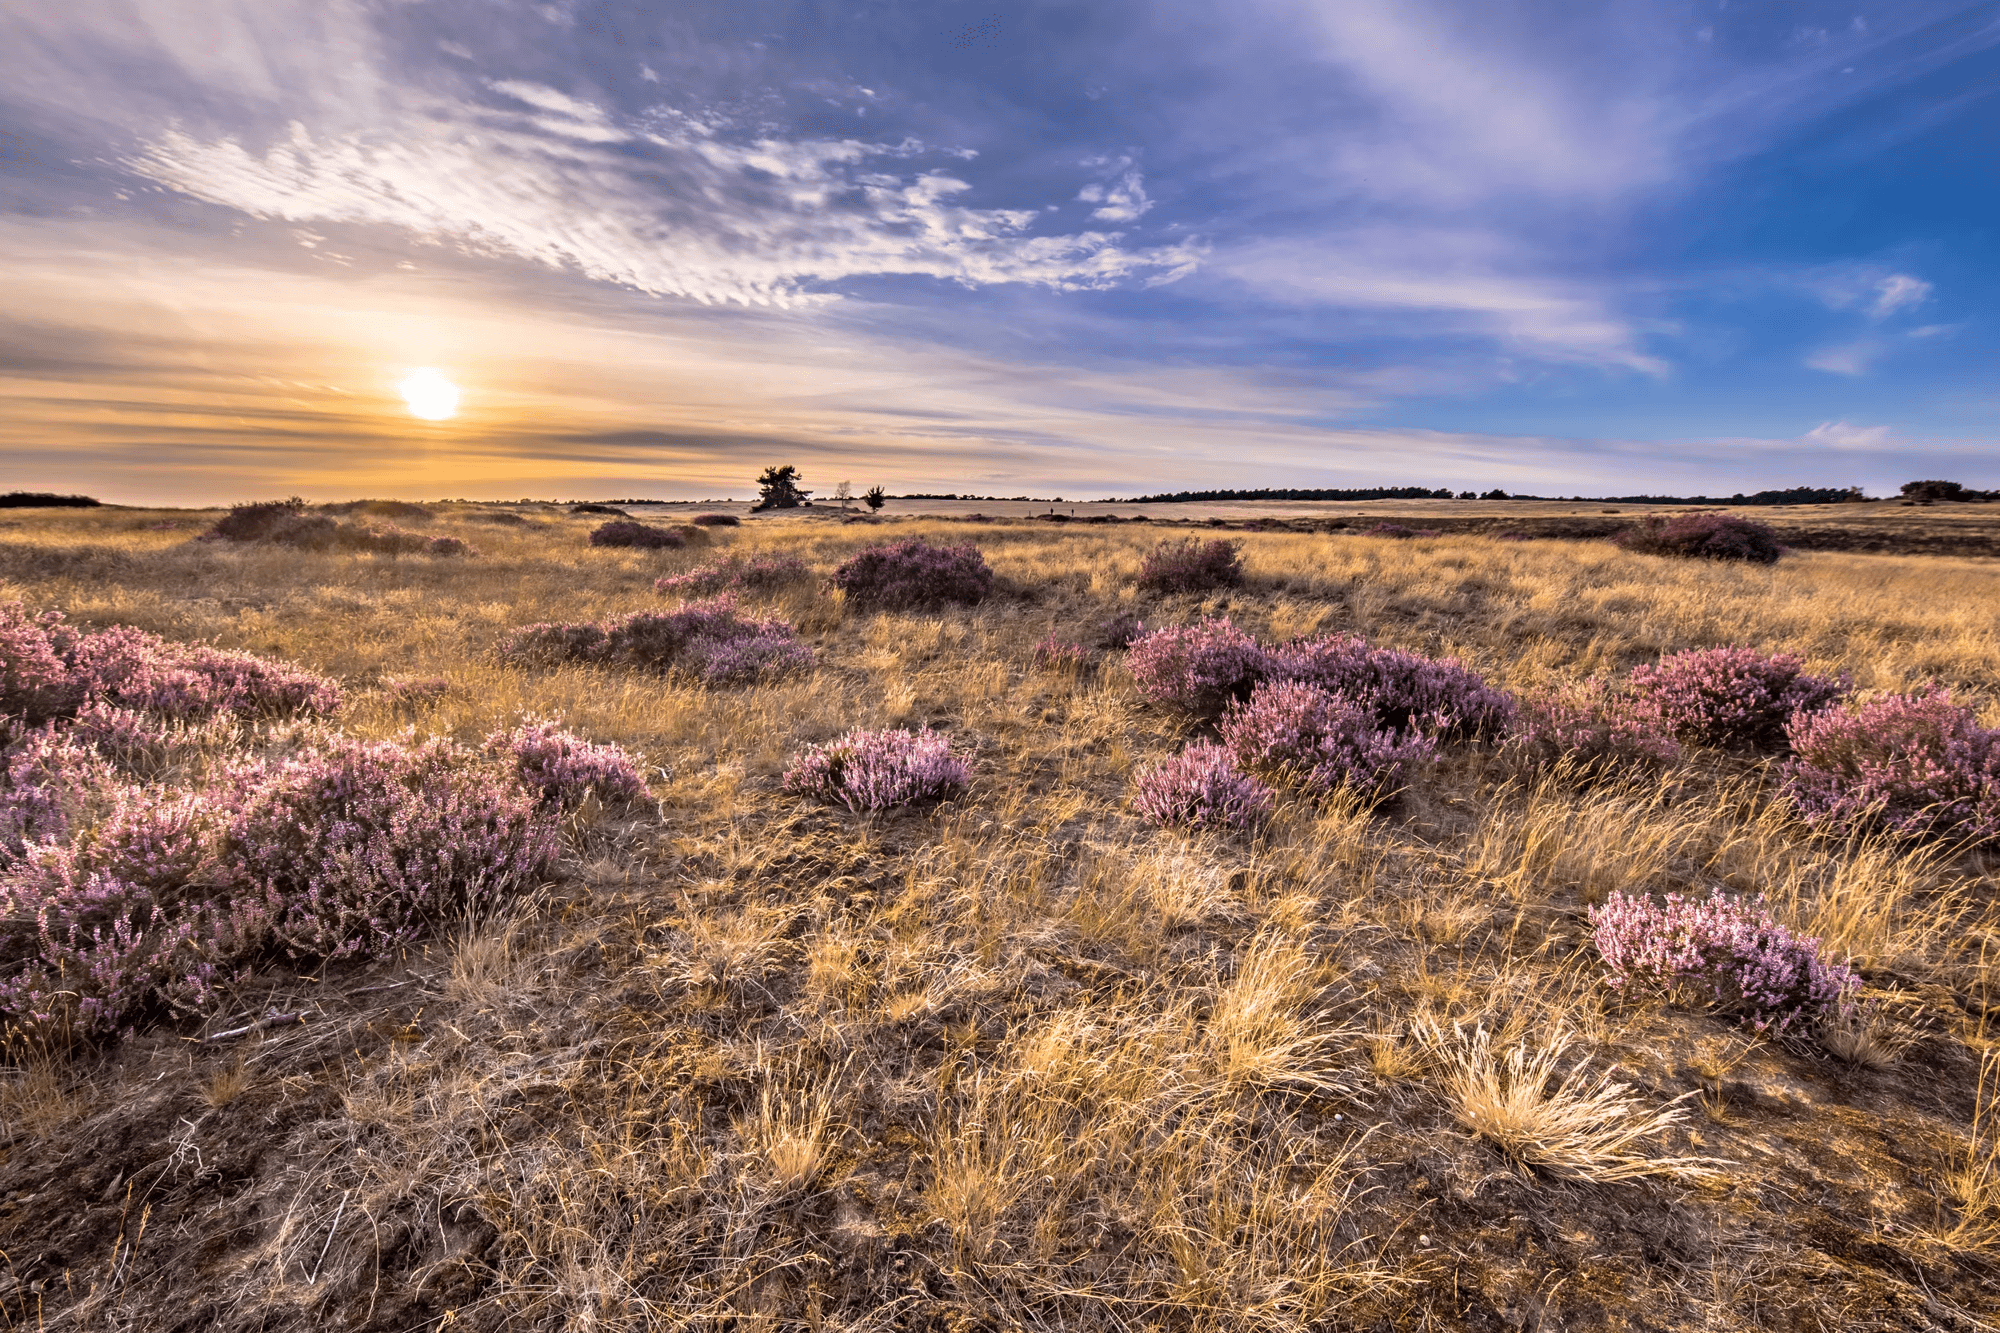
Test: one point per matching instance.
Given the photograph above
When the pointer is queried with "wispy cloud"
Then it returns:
(1855, 358)
(1846, 435)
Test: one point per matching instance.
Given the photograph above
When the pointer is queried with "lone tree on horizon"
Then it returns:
(874, 497)
(778, 488)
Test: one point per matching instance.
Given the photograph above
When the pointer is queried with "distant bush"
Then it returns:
(1320, 741)
(1196, 669)
(1202, 788)
(1599, 733)
(1704, 536)
(711, 639)
(1053, 654)
(912, 575)
(256, 522)
(1118, 632)
(1735, 697)
(1407, 691)
(1191, 566)
(563, 768)
(620, 532)
(289, 523)
(875, 770)
(758, 574)
(613, 510)
(716, 521)
(45, 500)
(1722, 952)
(1912, 763)
(450, 546)
(1398, 530)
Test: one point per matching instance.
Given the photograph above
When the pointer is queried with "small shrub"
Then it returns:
(758, 574)
(1723, 952)
(1408, 691)
(874, 770)
(1912, 763)
(1191, 565)
(1320, 741)
(563, 768)
(914, 575)
(1196, 669)
(1735, 697)
(1709, 535)
(46, 778)
(1202, 788)
(450, 546)
(716, 521)
(710, 638)
(1118, 632)
(1053, 654)
(1597, 733)
(256, 522)
(638, 535)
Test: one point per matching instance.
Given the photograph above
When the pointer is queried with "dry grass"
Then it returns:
(1021, 1061)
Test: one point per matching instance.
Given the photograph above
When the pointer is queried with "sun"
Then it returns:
(430, 395)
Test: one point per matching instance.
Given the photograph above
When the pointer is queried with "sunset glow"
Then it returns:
(430, 395)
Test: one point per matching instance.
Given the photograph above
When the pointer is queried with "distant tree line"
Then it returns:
(1297, 493)
(1796, 495)
(45, 500)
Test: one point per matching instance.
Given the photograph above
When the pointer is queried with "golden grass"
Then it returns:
(1022, 1061)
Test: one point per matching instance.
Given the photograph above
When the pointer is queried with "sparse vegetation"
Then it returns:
(1704, 536)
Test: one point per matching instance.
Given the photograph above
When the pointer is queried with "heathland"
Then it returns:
(737, 1057)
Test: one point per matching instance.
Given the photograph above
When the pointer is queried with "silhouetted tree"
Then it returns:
(778, 488)
(874, 497)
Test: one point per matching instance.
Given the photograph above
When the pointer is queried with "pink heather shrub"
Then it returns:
(912, 575)
(46, 778)
(1704, 536)
(1320, 741)
(873, 770)
(624, 532)
(360, 845)
(1196, 669)
(1913, 763)
(36, 682)
(1736, 697)
(1118, 632)
(1601, 734)
(1053, 654)
(757, 574)
(1191, 565)
(710, 638)
(563, 768)
(1202, 788)
(1408, 691)
(1724, 952)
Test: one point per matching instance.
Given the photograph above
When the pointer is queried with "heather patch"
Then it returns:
(1201, 788)
(642, 536)
(1912, 763)
(875, 770)
(290, 523)
(1733, 697)
(1191, 565)
(757, 574)
(914, 575)
(711, 639)
(1117, 633)
(1725, 953)
(564, 768)
(1407, 691)
(1704, 536)
(1320, 741)
(1196, 669)
(1595, 732)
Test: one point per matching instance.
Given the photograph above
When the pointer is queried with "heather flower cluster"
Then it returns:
(1196, 669)
(1723, 952)
(711, 639)
(1732, 697)
(1911, 763)
(565, 769)
(49, 669)
(758, 574)
(1191, 565)
(875, 770)
(1704, 536)
(642, 536)
(1598, 732)
(1202, 788)
(913, 575)
(1320, 741)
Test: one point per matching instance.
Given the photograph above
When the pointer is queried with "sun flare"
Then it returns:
(430, 395)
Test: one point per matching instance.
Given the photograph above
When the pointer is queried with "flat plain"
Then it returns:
(1021, 1059)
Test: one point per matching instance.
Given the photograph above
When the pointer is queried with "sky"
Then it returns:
(1094, 248)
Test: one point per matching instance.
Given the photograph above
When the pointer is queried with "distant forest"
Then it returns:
(45, 500)
(1797, 495)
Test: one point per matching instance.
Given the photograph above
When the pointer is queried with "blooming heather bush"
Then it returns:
(1202, 788)
(45, 780)
(1704, 536)
(912, 575)
(716, 521)
(1408, 691)
(1320, 741)
(1725, 952)
(1118, 632)
(1599, 733)
(754, 575)
(1198, 669)
(1191, 565)
(1914, 763)
(1735, 697)
(563, 768)
(710, 638)
(1053, 654)
(361, 844)
(873, 770)
(623, 532)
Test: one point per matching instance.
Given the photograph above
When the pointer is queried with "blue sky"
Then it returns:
(1085, 249)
